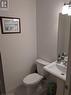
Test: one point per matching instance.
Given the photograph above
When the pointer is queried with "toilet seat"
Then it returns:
(32, 79)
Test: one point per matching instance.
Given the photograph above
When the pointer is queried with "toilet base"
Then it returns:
(31, 90)
(36, 90)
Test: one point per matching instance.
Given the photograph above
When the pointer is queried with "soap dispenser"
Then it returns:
(62, 57)
(59, 58)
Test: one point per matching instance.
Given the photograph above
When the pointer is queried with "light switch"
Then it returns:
(3, 4)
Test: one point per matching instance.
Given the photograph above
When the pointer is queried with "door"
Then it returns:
(2, 85)
(68, 79)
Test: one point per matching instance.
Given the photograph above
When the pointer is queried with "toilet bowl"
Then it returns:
(33, 81)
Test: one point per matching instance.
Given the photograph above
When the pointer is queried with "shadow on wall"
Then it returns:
(34, 68)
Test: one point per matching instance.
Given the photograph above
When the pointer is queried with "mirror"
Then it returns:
(63, 34)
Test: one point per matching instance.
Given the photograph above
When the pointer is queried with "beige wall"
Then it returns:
(19, 50)
(47, 27)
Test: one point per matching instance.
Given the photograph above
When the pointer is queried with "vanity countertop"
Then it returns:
(54, 70)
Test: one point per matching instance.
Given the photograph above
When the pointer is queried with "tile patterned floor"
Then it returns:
(21, 90)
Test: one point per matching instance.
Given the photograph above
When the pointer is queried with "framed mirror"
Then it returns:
(63, 34)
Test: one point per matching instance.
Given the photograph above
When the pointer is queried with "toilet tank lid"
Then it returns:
(43, 62)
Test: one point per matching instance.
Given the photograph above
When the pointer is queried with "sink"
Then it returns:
(56, 69)
(61, 67)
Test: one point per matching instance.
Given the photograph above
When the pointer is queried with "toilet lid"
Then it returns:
(32, 79)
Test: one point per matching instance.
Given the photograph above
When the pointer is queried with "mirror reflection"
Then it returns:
(63, 34)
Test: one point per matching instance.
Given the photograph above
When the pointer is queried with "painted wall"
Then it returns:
(19, 50)
(47, 27)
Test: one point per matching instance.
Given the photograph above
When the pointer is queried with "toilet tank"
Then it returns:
(40, 64)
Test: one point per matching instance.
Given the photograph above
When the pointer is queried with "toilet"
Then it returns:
(33, 81)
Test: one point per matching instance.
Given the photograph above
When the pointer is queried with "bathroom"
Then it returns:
(38, 38)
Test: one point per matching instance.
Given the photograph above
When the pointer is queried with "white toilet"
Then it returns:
(32, 81)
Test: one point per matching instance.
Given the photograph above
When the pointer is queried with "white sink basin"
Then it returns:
(61, 67)
(57, 70)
